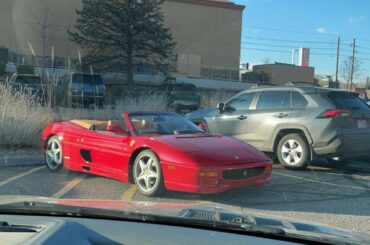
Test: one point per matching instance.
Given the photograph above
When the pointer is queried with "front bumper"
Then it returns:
(346, 146)
(208, 185)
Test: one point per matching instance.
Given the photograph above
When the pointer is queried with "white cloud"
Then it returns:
(321, 30)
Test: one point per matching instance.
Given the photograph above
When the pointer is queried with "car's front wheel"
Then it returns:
(54, 154)
(148, 174)
(292, 152)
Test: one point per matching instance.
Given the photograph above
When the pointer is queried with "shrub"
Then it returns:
(25, 69)
(21, 119)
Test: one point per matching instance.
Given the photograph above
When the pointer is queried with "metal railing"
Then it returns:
(38, 60)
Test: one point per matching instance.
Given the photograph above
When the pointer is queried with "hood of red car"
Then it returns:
(218, 150)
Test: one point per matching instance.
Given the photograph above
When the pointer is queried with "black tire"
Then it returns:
(158, 186)
(338, 160)
(53, 160)
(293, 147)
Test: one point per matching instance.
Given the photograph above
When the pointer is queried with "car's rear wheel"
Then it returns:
(292, 152)
(148, 173)
(54, 154)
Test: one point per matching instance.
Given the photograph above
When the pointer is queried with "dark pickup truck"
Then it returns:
(32, 84)
(181, 96)
(83, 89)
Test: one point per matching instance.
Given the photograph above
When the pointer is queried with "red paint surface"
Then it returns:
(182, 157)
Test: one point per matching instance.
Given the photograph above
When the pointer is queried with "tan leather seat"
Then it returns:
(91, 124)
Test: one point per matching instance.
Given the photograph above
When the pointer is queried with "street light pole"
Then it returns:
(353, 63)
(337, 65)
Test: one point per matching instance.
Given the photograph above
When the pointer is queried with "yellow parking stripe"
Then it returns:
(69, 186)
(129, 194)
(7, 181)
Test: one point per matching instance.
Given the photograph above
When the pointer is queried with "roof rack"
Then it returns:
(303, 84)
(259, 85)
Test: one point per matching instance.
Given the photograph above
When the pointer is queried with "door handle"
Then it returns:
(281, 115)
(242, 117)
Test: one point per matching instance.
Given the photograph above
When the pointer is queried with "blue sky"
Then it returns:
(280, 25)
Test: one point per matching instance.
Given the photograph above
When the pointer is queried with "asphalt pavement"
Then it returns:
(337, 196)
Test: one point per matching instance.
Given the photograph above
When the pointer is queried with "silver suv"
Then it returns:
(297, 124)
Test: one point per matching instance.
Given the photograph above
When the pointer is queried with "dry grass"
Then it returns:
(212, 98)
(22, 118)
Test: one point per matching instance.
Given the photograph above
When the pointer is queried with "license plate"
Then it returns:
(361, 123)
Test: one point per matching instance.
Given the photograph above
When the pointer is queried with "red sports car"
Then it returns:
(155, 151)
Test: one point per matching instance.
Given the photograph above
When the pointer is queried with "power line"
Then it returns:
(285, 40)
(282, 46)
(286, 30)
(363, 47)
(282, 51)
(305, 32)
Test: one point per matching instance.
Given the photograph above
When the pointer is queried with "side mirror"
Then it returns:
(220, 107)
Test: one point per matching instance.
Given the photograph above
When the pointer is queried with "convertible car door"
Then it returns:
(104, 153)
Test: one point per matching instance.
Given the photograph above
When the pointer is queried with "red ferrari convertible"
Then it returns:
(155, 151)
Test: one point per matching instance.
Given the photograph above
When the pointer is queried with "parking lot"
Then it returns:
(335, 196)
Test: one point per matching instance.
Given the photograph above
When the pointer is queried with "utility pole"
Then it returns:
(367, 84)
(293, 54)
(353, 64)
(337, 66)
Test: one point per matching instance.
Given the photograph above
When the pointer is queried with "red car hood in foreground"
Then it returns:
(218, 150)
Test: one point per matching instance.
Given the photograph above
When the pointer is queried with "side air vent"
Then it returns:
(85, 154)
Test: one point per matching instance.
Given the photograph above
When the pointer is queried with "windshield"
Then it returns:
(28, 80)
(189, 88)
(87, 79)
(162, 123)
(256, 106)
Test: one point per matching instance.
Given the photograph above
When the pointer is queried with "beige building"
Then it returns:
(207, 32)
(283, 73)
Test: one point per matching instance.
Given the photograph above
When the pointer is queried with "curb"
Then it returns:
(10, 161)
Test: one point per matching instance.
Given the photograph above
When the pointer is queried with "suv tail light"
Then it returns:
(334, 113)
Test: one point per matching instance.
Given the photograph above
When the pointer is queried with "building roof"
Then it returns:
(213, 3)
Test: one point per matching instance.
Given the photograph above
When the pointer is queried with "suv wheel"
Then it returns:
(292, 152)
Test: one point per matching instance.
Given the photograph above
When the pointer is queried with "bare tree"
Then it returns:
(346, 67)
(44, 27)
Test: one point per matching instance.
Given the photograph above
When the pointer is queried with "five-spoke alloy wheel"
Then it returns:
(54, 154)
(147, 173)
(292, 151)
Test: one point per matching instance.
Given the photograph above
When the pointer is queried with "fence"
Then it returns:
(182, 69)
(38, 60)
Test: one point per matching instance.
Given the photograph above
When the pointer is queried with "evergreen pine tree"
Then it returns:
(123, 33)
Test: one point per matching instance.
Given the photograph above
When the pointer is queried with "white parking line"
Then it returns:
(322, 182)
(7, 181)
(69, 186)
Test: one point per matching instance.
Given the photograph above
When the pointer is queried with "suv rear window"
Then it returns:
(348, 101)
(87, 79)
